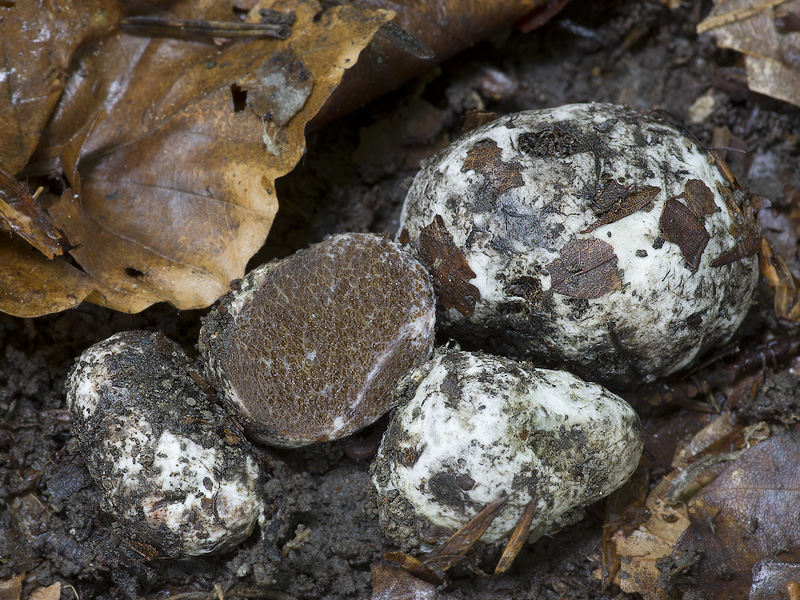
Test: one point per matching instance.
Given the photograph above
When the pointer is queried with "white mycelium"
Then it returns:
(172, 470)
(475, 428)
(589, 236)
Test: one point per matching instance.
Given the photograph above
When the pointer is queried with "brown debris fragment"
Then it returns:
(784, 284)
(51, 592)
(613, 202)
(679, 225)
(743, 228)
(724, 169)
(699, 198)
(484, 157)
(476, 118)
(749, 512)
(395, 583)
(450, 270)
(587, 269)
(518, 538)
(21, 214)
(746, 247)
(453, 551)
(11, 588)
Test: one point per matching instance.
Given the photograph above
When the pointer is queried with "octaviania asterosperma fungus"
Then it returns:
(173, 469)
(308, 348)
(472, 428)
(591, 237)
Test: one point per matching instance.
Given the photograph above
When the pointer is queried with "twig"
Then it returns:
(733, 16)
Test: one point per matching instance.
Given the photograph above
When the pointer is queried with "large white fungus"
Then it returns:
(472, 428)
(590, 236)
(173, 470)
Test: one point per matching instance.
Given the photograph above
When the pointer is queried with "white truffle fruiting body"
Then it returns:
(475, 428)
(308, 348)
(588, 236)
(173, 470)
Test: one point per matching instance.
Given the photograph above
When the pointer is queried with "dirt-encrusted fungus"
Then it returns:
(472, 428)
(308, 348)
(589, 236)
(173, 470)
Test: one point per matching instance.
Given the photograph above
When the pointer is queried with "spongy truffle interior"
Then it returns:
(314, 352)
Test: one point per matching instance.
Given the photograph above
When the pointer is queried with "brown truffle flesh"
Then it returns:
(307, 349)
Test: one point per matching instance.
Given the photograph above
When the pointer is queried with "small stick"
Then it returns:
(199, 28)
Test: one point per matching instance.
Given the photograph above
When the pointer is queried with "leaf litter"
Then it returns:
(173, 189)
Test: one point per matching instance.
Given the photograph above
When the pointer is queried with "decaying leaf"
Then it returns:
(613, 202)
(51, 592)
(33, 285)
(484, 158)
(37, 40)
(447, 27)
(752, 27)
(638, 548)
(784, 284)
(177, 182)
(11, 588)
(773, 579)
(679, 225)
(20, 214)
(395, 583)
(450, 270)
(747, 514)
(587, 269)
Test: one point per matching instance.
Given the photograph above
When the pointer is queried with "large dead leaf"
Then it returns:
(747, 514)
(770, 52)
(447, 27)
(637, 550)
(175, 186)
(37, 40)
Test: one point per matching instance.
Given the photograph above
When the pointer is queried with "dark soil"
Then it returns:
(324, 534)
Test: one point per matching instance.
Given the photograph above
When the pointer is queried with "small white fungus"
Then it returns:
(472, 428)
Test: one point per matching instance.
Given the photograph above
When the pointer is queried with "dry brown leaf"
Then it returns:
(749, 27)
(395, 583)
(51, 592)
(20, 214)
(11, 589)
(784, 284)
(37, 40)
(447, 27)
(177, 182)
(776, 579)
(747, 514)
(639, 550)
(720, 426)
(33, 285)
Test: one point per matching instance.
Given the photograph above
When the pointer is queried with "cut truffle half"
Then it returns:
(473, 428)
(590, 237)
(173, 469)
(308, 348)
